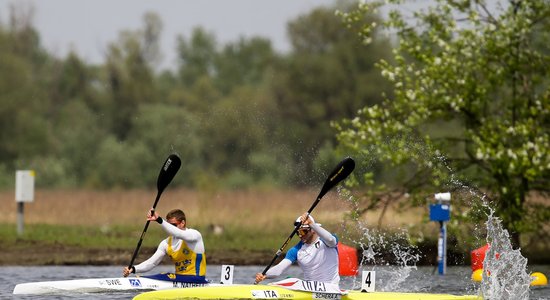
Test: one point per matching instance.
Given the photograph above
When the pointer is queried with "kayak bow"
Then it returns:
(99, 285)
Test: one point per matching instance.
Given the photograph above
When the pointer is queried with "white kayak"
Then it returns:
(104, 285)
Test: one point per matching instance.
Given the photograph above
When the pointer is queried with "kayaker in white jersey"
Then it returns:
(316, 254)
(184, 246)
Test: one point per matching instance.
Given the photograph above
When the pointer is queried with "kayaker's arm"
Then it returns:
(153, 261)
(278, 269)
(327, 237)
(188, 235)
(274, 271)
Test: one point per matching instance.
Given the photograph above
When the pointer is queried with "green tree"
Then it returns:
(161, 129)
(328, 76)
(196, 56)
(249, 58)
(236, 127)
(24, 104)
(130, 72)
(481, 72)
(225, 89)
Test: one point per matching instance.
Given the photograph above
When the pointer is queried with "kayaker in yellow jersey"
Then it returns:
(184, 246)
(316, 254)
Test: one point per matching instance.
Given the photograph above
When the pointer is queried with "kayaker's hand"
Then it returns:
(307, 219)
(126, 271)
(152, 215)
(259, 277)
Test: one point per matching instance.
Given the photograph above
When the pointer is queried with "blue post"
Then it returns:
(440, 212)
(442, 248)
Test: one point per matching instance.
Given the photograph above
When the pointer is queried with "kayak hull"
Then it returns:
(98, 285)
(276, 292)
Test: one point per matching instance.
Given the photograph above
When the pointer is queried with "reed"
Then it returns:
(250, 208)
(255, 220)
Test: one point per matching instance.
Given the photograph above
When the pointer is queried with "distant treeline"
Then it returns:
(239, 114)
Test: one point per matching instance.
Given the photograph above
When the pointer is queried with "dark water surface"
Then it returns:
(422, 279)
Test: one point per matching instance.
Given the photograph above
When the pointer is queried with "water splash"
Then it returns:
(407, 260)
(509, 279)
(504, 276)
(394, 252)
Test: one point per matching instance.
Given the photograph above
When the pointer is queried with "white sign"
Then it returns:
(227, 274)
(443, 196)
(24, 186)
(368, 282)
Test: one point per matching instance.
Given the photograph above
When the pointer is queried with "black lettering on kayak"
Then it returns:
(327, 296)
(307, 285)
(319, 286)
(178, 284)
(314, 286)
(113, 282)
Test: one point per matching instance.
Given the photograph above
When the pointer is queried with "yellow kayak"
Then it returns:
(250, 291)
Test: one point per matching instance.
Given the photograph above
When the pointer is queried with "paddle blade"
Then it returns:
(168, 171)
(341, 172)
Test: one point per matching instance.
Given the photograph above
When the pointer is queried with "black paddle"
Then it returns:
(167, 173)
(341, 172)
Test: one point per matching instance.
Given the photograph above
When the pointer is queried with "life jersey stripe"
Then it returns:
(198, 264)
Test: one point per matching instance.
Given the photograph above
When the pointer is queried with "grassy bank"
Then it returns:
(73, 226)
(92, 245)
(126, 237)
(239, 227)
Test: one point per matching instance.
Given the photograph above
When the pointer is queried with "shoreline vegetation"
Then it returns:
(82, 227)
(67, 255)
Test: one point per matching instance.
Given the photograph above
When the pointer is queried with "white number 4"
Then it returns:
(369, 281)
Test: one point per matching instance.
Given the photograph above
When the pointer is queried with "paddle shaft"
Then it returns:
(143, 233)
(341, 172)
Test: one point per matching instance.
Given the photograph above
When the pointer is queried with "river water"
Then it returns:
(421, 279)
